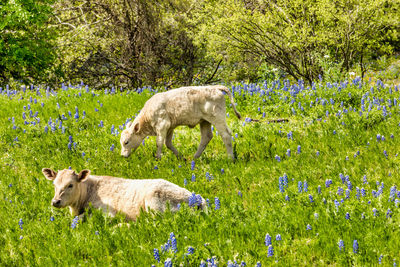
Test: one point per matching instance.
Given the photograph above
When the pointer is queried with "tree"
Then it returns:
(295, 34)
(131, 43)
(26, 40)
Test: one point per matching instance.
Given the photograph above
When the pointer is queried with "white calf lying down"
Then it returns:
(163, 112)
(113, 194)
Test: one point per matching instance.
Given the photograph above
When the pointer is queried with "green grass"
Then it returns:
(237, 230)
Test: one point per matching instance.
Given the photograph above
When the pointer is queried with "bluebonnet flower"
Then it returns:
(347, 216)
(389, 213)
(83, 154)
(298, 149)
(355, 246)
(20, 223)
(222, 171)
(285, 180)
(347, 194)
(317, 153)
(341, 245)
(328, 182)
(278, 158)
(270, 251)
(299, 186)
(156, 254)
(365, 180)
(311, 198)
(288, 152)
(168, 263)
(96, 233)
(112, 147)
(281, 185)
(309, 227)
(340, 191)
(192, 200)
(76, 116)
(305, 186)
(334, 131)
(193, 178)
(190, 250)
(278, 237)
(357, 192)
(74, 222)
(374, 211)
(267, 241)
(342, 178)
(209, 176)
(349, 185)
(363, 192)
(208, 202)
(380, 259)
(240, 193)
(185, 182)
(337, 203)
(217, 203)
(287, 198)
(319, 189)
(378, 137)
(51, 218)
(156, 167)
(192, 165)
(385, 153)
(290, 135)
(173, 243)
(199, 200)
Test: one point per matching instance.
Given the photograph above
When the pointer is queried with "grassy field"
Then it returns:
(322, 186)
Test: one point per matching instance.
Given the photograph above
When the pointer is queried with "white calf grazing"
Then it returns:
(163, 112)
(113, 194)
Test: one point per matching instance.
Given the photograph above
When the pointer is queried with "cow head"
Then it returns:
(131, 138)
(66, 185)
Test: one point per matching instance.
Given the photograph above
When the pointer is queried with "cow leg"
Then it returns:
(226, 135)
(206, 136)
(168, 143)
(160, 142)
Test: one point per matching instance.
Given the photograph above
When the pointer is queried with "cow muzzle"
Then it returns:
(125, 153)
(56, 203)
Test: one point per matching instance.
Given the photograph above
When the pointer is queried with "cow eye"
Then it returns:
(70, 186)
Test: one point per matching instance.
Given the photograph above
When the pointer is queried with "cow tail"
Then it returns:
(226, 90)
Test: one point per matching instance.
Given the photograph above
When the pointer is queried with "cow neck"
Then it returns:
(79, 208)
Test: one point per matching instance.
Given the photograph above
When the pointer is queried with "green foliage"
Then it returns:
(26, 41)
(181, 42)
(294, 35)
(346, 144)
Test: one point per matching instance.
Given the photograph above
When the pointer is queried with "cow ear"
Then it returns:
(49, 174)
(83, 174)
(128, 125)
(136, 128)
